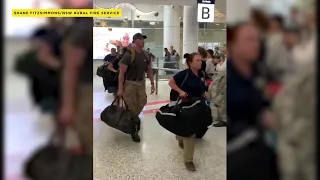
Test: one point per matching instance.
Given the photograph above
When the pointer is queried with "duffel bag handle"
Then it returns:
(120, 98)
(59, 135)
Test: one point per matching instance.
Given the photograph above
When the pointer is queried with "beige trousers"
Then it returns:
(188, 147)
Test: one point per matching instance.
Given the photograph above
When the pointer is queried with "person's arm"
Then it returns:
(150, 74)
(174, 86)
(177, 79)
(73, 57)
(47, 58)
(74, 53)
(124, 63)
(111, 68)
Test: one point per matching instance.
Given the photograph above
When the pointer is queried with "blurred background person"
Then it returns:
(246, 106)
(174, 59)
(276, 61)
(167, 61)
(210, 63)
(151, 55)
(202, 51)
(110, 57)
(294, 109)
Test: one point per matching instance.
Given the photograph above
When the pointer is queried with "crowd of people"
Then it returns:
(274, 130)
(128, 67)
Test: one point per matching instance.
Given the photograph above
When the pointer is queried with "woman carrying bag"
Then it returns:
(188, 84)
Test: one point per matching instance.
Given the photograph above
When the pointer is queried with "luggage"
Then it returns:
(56, 162)
(103, 71)
(112, 90)
(120, 118)
(186, 118)
(201, 133)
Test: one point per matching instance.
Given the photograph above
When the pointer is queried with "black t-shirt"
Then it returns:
(109, 58)
(194, 85)
(115, 63)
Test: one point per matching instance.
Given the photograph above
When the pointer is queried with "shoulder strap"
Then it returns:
(185, 79)
(146, 55)
(133, 55)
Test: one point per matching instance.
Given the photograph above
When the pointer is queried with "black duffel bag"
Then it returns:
(186, 118)
(120, 118)
(103, 71)
(55, 162)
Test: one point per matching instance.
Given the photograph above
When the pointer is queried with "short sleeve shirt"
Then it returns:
(109, 58)
(136, 69)
(80, 36)
(194, 85)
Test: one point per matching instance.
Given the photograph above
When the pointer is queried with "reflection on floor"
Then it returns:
(25, 128)
(158, 155)
(116, 157)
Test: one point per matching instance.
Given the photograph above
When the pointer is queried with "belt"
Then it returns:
(135, 79)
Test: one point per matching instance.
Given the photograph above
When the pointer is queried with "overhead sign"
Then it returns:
(206, 10)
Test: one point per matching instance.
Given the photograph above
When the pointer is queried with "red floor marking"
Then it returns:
(157, 102)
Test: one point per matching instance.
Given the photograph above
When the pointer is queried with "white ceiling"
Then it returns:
(220, 4)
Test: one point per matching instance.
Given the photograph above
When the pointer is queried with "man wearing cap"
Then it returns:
(132, 85)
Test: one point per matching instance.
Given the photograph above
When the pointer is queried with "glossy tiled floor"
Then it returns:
(116, 157)
(25, 128)
(158, 155)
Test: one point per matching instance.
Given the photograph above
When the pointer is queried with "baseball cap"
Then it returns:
(139, 36)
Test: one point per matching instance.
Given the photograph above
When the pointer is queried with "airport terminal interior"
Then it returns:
(116, 157)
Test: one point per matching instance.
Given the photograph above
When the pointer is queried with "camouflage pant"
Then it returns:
(135, 95)
(83, 123)
(218, 113)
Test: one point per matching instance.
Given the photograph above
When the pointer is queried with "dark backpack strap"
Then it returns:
(185, 79)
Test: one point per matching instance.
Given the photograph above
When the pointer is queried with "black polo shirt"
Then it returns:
(245, 102)
(194, 85)
(109, 58)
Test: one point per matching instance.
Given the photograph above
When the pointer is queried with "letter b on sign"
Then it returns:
(205, 12)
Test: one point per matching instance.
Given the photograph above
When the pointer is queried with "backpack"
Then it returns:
(133, 55)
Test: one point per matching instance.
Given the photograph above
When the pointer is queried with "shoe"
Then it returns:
(220, 124)
(190, 166)
(135, 137)
(180, 144)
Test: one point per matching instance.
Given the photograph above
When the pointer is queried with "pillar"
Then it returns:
(190, 29)
(171, 28)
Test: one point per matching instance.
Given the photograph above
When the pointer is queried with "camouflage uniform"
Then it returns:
(217, 94)
(295, 113)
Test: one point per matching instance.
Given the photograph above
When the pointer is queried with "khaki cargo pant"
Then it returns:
(83, 123)
(135, 95)
(188, 147)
